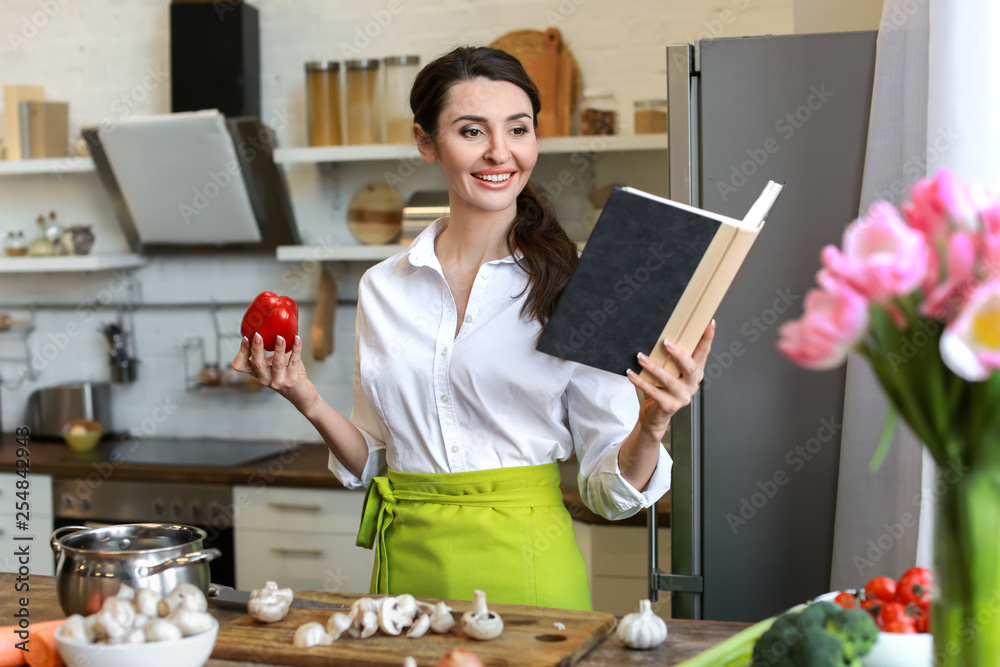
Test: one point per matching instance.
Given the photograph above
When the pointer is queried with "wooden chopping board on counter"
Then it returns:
(530, 639)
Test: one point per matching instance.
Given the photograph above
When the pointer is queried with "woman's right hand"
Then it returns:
(283, 371)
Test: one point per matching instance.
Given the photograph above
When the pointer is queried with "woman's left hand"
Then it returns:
(662, 402)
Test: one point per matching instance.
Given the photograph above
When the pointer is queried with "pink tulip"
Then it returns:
(991, 242)
(942, 203)
(946, 298)
(970, 345)
(882, 257)
(834, 321)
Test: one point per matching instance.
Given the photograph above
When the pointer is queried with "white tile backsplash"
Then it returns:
(110, 59)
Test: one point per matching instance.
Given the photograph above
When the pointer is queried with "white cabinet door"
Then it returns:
(31, 529)
(301, 538)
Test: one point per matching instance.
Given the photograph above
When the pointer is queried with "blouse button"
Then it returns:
(444, 352)
(454, 450)
(444, 398)
(468, 318)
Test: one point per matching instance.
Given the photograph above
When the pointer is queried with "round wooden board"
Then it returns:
(528, 45)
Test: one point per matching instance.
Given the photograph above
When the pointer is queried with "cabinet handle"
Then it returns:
(295, 507)
(289, 551)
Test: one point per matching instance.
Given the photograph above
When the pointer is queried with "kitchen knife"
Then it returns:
(227, 596)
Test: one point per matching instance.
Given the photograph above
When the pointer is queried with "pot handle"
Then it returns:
(58, 533)
(192, 558)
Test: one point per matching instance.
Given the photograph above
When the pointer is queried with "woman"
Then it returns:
(458, 422)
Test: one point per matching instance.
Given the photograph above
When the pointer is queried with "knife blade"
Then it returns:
(227, 596)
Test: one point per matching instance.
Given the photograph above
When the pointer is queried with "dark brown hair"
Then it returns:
(548, 255)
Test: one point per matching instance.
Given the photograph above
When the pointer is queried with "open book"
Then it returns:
(652, 269)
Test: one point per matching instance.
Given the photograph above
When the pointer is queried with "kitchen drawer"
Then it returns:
(39, 493)
(302, 561)
(332, 511)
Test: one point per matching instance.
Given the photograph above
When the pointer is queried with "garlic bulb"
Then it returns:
(642, 629)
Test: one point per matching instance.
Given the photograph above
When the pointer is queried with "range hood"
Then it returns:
(194, 181)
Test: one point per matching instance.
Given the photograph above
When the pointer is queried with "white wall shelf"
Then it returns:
(328, 253)
(55, 165)
(70, 263)
(555, 145)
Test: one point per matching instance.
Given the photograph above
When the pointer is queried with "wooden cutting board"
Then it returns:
(530, 639)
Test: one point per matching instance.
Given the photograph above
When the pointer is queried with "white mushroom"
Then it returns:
(114, 620)
(408, 605)
(140, 621)
(392, 618)
(161, 630)
(338, 624)
(267, 608)
(419, 627)
(146, 601)
(134, 636)
(191, 622)
(559, 626)
(125, 591)
(369, 624)
(75, 628)
(441, 619)
(481, 623)
(311, 634)
(360, 611)
(409, 662)
(184, 596)
(271, 588)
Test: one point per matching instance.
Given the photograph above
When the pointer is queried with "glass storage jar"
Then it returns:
(15, 245)
(363, 122)
(598, 113)
(650, 116)
(323, 103)
(399, 74)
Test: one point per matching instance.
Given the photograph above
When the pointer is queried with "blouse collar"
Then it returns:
(421, 249)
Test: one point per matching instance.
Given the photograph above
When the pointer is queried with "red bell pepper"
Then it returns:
(271, 316)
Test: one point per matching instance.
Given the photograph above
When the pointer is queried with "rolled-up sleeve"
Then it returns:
(602, 408)
(366, 418)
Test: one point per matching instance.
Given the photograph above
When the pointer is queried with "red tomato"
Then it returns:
(902, 627)
(271, 316)
(881, 588)
(921, 622)
(915, 587)
(894, 612)
(847, 600)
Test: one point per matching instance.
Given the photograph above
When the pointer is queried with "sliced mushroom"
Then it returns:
(359, 609)
(161, 630)
(419, 627)
(184, 596)
(146, 601)
(75, 628)
(441, 619)
(338, 624)
(191, 622)
(369, 624)
(481, 623)
(407, 604)
(392, 617)
(311, 634)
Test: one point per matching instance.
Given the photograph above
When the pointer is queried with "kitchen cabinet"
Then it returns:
(70, 263)
(617, 561)
(301, 538)
(39, 524)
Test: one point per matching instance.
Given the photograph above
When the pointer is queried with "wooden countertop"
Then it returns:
(304, 467)
(684, 640)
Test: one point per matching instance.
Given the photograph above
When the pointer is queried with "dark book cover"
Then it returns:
(631, 274)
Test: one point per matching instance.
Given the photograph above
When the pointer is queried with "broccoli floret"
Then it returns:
(821, 635)
(856, 629)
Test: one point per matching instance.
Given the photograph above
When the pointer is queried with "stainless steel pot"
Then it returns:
(93, 563)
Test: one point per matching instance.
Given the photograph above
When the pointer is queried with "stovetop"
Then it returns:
(200, 452)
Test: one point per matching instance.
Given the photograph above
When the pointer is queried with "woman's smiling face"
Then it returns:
(486, 145)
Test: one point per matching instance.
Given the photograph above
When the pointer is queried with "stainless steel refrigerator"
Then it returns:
(756, 455)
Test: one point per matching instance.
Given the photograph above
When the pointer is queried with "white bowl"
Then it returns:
(192, 651)
(895, 649)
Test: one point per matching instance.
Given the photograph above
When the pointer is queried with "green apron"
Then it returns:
(504, 531)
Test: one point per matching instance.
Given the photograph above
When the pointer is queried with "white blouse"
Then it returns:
(427, 400)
